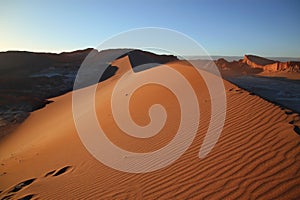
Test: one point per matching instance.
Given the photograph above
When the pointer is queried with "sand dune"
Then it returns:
(256, 157)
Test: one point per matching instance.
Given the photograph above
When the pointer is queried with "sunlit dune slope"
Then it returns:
(257, 155)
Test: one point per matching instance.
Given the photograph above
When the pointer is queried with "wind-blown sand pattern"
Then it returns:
(256, 157)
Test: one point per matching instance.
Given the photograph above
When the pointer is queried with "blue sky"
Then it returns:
(232, 27)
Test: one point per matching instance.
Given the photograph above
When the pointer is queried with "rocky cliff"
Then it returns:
(271, 65)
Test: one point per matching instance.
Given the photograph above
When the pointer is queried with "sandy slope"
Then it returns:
(256, 157)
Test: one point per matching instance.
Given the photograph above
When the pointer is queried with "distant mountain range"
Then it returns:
(236, 58)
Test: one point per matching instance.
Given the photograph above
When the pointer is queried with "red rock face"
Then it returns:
(235, 68)
(271, 65)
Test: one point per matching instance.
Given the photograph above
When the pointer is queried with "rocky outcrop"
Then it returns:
(235, 68)
(290, 66)
(271, 65)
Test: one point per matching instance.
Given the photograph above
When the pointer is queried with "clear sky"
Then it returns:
(227, 27)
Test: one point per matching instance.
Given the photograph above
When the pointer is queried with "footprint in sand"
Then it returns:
(297, 129)
(7, 197)
(295, 121)
(289, 112)
(17, 188)
(27, 197)
(50, 173)
(58, 171)
(21, 185)
(236, 90)
(62, 170)
(13, 191)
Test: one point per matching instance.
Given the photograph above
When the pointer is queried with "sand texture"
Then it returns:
(257, 155)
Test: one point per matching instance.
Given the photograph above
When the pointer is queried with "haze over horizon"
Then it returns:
(231, 28)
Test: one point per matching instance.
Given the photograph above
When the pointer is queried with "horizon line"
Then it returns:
(88, 47)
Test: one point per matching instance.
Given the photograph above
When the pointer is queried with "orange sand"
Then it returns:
(256, 157)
